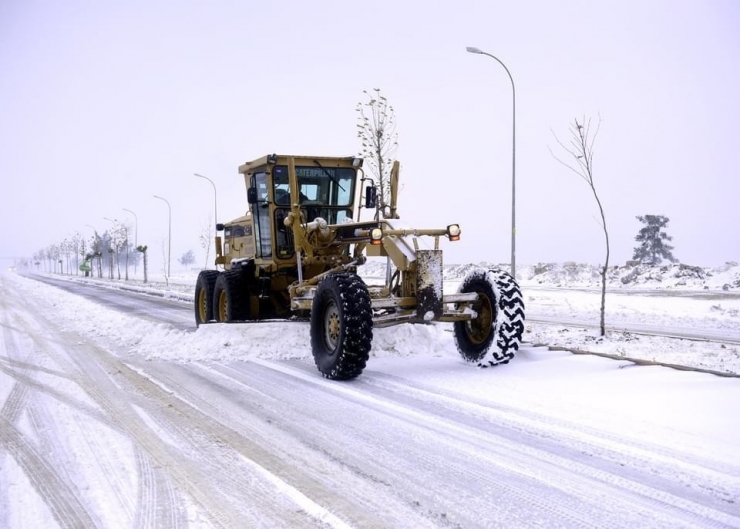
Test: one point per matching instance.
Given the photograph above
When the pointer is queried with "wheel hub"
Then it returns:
(332, 327)
(479, 328)
(222, 306)
(202, 305)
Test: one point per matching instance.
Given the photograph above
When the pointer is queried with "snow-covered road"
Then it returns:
(117, 417)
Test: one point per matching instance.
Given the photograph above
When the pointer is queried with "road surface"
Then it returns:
(91, 435)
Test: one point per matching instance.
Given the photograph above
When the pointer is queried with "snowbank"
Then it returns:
(671, 276)
(629, 301)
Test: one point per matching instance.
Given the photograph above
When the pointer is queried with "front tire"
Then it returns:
(230, 298)
(494, 336)
(341, 326)
(203, 300)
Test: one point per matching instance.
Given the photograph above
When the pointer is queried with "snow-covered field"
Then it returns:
(112, 419)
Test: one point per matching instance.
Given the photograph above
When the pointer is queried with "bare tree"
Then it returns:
(38, 258)
(120, 243)
(96, 245)
(53, 254)
(376, 129)
(581, 149)
(205, 239)
(48, 256)
(65, 251)
(77, 242)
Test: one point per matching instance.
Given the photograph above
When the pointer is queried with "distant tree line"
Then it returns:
(99, 255)
(109, 254)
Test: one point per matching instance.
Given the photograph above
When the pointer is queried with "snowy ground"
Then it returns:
(668, 299)
(118, 419)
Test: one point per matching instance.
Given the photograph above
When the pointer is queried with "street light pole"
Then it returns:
(215, 205)
(169, 235)
(136, 233)
(513, 157)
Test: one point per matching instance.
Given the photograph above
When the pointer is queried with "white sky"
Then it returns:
(104, 104)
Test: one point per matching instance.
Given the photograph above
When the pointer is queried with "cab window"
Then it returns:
(328, 186)
(261, 214)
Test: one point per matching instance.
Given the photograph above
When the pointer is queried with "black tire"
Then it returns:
(341, 326)
(493, 337)
(230, 297)
(203, 301)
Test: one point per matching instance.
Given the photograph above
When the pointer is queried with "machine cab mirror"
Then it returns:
(252, 195)
(371, 197)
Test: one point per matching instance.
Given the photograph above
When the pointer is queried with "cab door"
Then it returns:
(261, 215)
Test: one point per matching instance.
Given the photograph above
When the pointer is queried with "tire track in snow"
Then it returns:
(147, 492)
(94, 370)
(98, 372)
(661, 461)
(158, 504)
(57, 488)
(49, 442)
(573, 477)
(424, 424)
(73, 403)
(281, 476)
(213, 445)
(397, 459)
(103, 391)
(100, 398)
(16, 399)
(99, 454)
(59, 497)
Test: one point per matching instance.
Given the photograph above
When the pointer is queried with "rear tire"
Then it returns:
(341, 326)
(203, 301)
(230, 298)
(494, 336)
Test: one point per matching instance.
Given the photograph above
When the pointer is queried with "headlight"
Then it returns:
(376, 236)
(453, 232)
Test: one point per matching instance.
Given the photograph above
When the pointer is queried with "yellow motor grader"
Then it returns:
(296, 251)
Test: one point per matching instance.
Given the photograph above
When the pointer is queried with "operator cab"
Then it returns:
(325, 192)
(326, 189)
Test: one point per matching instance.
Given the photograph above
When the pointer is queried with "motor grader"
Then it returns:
(296, 251)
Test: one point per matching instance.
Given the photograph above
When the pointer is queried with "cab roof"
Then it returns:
(282, 159)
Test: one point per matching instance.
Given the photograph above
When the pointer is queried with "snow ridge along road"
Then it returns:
(132, 422)
(646, 325)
